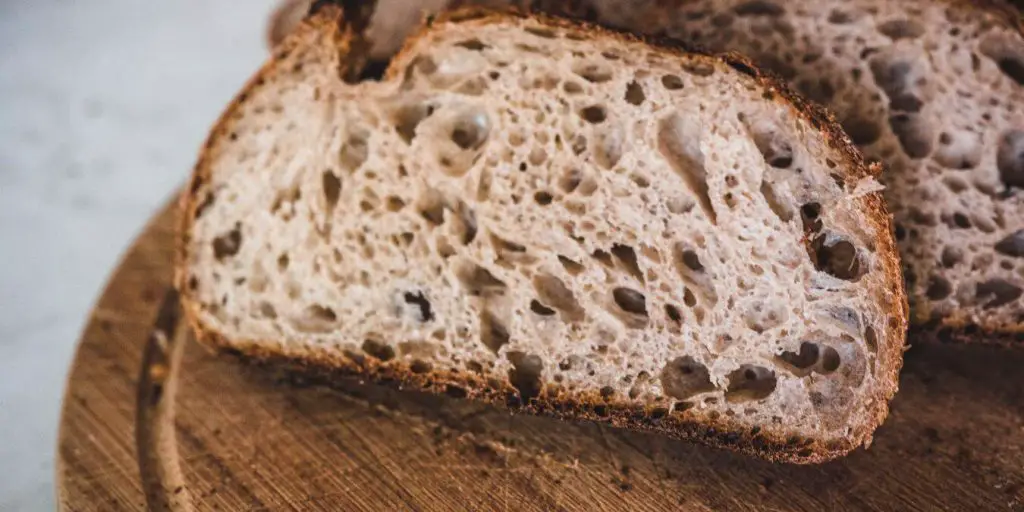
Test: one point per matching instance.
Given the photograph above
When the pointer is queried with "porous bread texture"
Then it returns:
(566, 213)
(934, 90)
(931, 88)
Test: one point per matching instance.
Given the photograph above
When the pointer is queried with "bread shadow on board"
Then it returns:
(959, 416)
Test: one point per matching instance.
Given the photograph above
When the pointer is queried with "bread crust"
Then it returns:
(325, 28)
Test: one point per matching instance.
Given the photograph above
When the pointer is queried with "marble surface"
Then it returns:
(103, 105)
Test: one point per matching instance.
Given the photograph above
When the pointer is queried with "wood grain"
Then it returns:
(251, 439)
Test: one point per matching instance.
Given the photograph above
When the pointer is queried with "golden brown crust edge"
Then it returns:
(324, 29)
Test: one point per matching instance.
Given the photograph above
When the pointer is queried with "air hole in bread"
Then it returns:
(431, 206)
(777, 152)
(1010, 158)
(958, 220)
(759, 8)
(267, 310)
(861, 129)
(422, 311)
(938, 288)
(763, 316)
(955, 184)
(594, 114)
(688, 298)
(470, 130)
(640, 385)
(691, 260)
(635, 93)
(543, 197)
(587, 187)
(284, 202)
(679, 144)
(493, 333)
(525, 374)
(631, 306)
(627, 258)
(354, 150)
(571, 87)
(478, 280)
(472, 44)
(540, 309)
(572, 267)
(693, 274)
(830, 360)
(836, 257)
(871, 339)
(801, 363)
(378, 350)
(444, 248)
(332, 188)
(1008, 53)
(554, 293)
(838, 17)
(542, 32)
(750, 382)
(420, 366)
(465, 226)
(672, 82)
(394, 203)
(913, 133)
(959, 149)
(206, 203)
(779, 207)
(603, 258)
(673, 314)
(1012, 244)
(593, 71)
(407, 119)
(951, 256)
(901, 29)
(700, 68)
(998, 292)
(537, 156)
(228, 244)
(902, 82)
(579, 145)
(315, 319)
(608, 150)
(684, 377)
(640, 180)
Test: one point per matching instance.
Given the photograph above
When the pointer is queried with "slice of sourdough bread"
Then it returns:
(557, 217)
(934, 89)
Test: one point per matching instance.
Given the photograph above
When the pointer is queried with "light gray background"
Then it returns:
(103, 104)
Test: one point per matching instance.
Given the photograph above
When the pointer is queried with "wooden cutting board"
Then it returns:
(213, 434)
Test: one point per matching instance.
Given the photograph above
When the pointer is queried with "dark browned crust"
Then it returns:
(324, 28)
